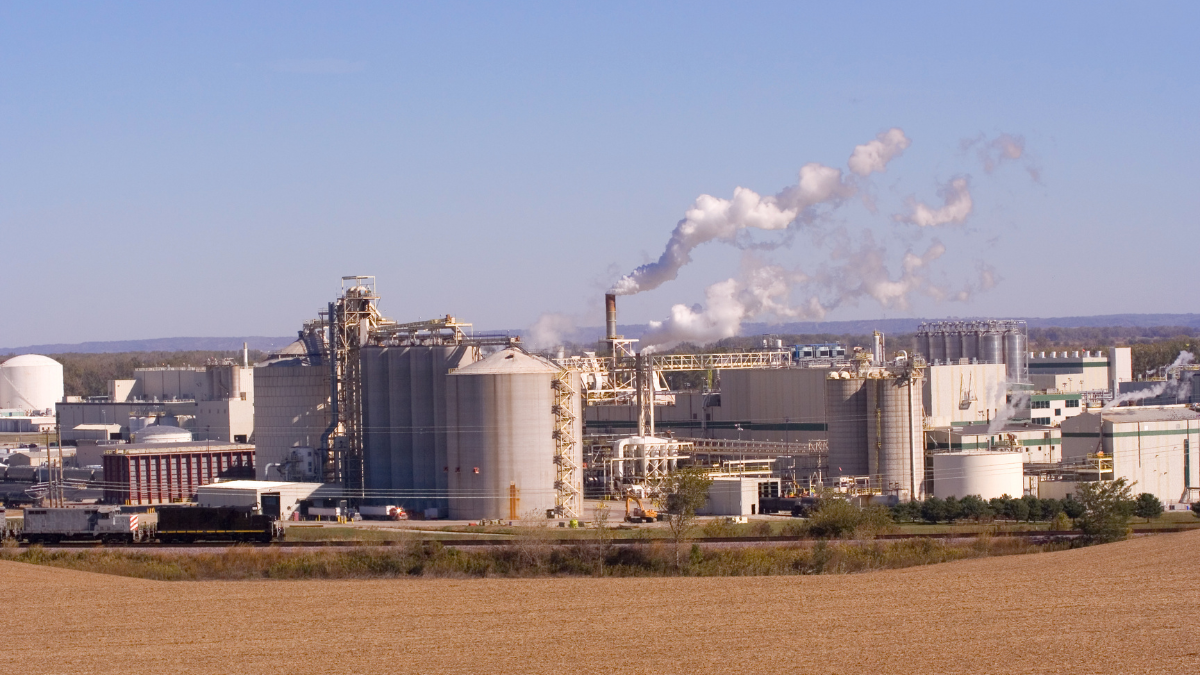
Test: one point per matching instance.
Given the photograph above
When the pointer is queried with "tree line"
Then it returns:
(88, 374)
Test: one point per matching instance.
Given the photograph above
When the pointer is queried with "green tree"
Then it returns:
(686, 493)
(1147, 506)
(973, 507)
(1107, 506)
(933, 510)
(1072, 508)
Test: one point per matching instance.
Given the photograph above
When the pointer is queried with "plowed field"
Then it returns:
(1121, 608)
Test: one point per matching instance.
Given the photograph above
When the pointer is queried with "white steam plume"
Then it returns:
(765, 290)
(1168, 387)
(1000, 150)
(551, 330)
(713, 218)
(1019, 401)
(957, 205)
(873, 156)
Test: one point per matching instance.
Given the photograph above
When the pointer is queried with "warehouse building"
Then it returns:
(1076, 371)
(1156, 447)
(215, 402)
(1035, 443)
(273, 498)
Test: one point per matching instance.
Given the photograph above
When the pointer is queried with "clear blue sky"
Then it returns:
(208, 169)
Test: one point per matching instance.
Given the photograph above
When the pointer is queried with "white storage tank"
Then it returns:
(501, 445)
(987, 474)
(162, 434)
(31, 382)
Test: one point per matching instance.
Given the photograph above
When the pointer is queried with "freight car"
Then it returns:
(105, 524)
(188, 524)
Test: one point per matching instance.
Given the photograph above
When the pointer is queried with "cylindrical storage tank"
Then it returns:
(31, 382)
(953, 341)
(501, 442)
(846, 417)
(983, 473)
(970, 344)
(894, 436)
(991, 347)
(1014, 355)
(162, 434)
(923, 346)
(937, 347)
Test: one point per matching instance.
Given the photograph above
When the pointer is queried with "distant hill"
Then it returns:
(179, 344)
(585, 334)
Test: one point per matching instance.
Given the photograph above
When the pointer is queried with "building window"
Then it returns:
(1072, 403)
(1041, 420)
(1058, 412)
(1040, 404)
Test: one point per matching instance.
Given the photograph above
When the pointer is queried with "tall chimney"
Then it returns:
(610, 315)
(245, 355)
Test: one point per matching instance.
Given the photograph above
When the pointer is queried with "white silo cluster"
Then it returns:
(31, 383)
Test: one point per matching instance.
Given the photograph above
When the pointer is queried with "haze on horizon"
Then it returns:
(214, 169)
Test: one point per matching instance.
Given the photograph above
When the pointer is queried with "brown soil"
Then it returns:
(1120, 608)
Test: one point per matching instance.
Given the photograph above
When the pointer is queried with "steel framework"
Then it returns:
(567, 498)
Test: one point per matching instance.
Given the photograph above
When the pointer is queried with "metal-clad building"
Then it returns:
(1155, 446)
(161, 473)
(405, 422)
(960, 394)
(291, 409)
(501, 446)
(771, 404)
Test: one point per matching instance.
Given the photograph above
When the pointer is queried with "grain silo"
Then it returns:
(895, 450)
(30, 382)
(846, 417)
(501, 436)
(405, 422)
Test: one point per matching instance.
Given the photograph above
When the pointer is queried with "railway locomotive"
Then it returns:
(175, 525)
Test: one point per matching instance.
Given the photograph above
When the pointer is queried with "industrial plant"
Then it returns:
(431, 419)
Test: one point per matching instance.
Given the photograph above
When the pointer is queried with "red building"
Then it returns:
(161, 473)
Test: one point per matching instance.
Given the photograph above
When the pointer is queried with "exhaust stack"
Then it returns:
(610, 316)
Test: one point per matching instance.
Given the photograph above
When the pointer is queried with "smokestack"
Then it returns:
(610, 315)
(245, 355)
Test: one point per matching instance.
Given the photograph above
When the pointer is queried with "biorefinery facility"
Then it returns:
(448, 423)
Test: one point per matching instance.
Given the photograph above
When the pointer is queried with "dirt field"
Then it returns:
(1121, 608)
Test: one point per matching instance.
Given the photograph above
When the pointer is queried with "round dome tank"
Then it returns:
(162, 434)
(501, 441)
(31, 382)
(983, 473)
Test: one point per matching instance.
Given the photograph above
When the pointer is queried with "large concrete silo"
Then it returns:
(895, 435)
(501, 436)
(846, 417)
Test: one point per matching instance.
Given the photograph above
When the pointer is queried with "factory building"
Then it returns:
(777, 404)
(1079, 371)
(1034, 443)
(1156, 447)
(964, 393)
(272, 498)
(1050, 409)
(291, 412)
(215, 402)
(166, 472)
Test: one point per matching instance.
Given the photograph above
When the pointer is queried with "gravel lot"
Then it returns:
(1121, 608)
